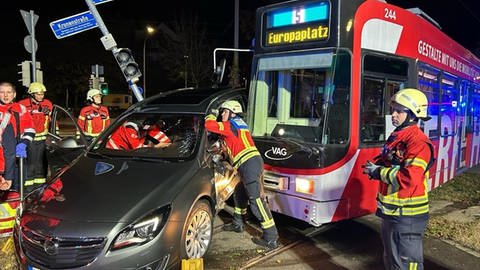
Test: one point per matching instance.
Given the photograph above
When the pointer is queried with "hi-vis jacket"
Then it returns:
(41, 116)
(406, 158)
(7, 162)
(22, 122)
(93, 119)
(130, 136)
(237, 137)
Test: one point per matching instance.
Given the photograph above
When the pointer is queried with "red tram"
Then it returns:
(322, 77)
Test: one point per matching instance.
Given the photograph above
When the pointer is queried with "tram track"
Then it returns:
(297, 237)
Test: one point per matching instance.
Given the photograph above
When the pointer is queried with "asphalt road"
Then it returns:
(352, 244)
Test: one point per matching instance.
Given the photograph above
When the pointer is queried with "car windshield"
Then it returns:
(142, 135)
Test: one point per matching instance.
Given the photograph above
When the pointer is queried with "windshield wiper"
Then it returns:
(317, 151)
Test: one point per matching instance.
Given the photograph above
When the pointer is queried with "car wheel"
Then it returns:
(197, 235)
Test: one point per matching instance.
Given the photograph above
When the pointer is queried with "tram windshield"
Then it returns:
(305, 97)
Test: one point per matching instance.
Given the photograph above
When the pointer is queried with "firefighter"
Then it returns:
(40, 110)
(94, 117)
(133, 135)
(249, 164)
(402, 172)
(21, 128)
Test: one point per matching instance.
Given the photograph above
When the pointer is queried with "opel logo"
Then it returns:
(51, 246)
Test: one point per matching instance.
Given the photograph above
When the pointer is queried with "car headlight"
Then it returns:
(143, 230)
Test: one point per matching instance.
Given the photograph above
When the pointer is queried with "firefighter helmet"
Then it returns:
(36, 87)
(93, 92)
(414, 100)
(233, 105)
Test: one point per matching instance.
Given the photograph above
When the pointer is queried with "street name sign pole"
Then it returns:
(109, 42)
(30, 19)
(91, 19)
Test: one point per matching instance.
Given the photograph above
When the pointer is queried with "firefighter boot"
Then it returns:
(268, 239)
(267, 244)
(237, 225)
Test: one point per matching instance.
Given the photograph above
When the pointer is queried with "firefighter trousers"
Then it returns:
(249, 192)
(37, 162)
(402, 242)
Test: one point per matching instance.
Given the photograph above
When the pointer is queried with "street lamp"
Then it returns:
(149, 31)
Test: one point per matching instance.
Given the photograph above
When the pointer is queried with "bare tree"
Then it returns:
(184, 51)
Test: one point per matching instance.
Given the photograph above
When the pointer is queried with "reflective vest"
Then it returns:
(237, 137)
(93, 120)
(6, 118)
(407, 156)
(9, 201)
(130, 136)
(22, 122)
(41, 116)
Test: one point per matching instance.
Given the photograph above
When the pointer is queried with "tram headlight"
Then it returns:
(304, 185)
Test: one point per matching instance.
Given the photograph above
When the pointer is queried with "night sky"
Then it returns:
(126, 20)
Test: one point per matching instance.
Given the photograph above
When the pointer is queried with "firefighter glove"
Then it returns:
(214, 112)
(372, 170)
(21, 150)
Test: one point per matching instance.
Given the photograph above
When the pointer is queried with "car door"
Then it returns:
(65, 141)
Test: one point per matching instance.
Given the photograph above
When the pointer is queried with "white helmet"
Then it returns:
(233, 105)
(93, 92)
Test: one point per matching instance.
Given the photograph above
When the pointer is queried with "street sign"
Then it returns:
(27, 18)
(97, 2)
(27, 43)
(73, 25)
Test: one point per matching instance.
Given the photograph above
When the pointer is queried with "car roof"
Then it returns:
(194, 100)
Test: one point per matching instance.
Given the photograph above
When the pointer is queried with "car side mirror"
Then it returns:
(220, 71)
(69, 143)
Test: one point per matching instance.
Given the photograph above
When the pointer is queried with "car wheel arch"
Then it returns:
(203, 203)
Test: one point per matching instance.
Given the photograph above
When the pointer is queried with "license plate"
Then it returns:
(32, 268)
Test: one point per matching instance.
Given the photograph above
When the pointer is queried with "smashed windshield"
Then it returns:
(170, 136)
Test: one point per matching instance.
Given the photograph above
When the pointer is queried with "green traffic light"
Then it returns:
(104, 88)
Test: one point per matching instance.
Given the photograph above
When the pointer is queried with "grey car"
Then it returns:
(146, 207)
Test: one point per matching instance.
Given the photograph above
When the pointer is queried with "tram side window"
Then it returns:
(473, 113)
(372, 116)
(449, 104)
(428, 83)
(383, 77)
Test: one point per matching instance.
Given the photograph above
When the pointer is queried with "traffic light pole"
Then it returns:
(34, 55)
(110, 45)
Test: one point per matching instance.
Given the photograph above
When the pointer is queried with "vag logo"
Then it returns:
(277, 153)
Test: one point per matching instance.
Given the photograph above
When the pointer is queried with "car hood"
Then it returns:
(107, 190)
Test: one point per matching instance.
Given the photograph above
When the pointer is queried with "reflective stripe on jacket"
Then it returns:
(403, 187)
(240, 146)
(93, 120)
(41, 115)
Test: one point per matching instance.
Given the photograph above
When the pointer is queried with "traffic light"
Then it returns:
(25, 73)
(104, 88)
(127, 64)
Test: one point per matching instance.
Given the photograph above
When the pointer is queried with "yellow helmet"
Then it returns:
(93, 92)
(36, 87)
(414, 100)
(232, 105)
